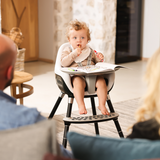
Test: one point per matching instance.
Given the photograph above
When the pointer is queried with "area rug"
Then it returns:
(125, 109)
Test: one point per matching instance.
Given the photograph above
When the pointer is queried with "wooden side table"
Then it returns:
(18, 80)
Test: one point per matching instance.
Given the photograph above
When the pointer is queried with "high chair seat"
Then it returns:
(63, 81)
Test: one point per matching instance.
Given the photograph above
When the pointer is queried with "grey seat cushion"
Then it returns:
(30, 142)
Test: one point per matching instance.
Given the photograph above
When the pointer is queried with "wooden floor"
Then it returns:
(125, 109)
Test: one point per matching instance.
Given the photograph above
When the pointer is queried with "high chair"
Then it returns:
(63, 81)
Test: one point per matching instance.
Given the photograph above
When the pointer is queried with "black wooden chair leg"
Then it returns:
(94, 113)
(56, 105)
(115, 120)
(66, 129)
(68, 114)
(118, 127)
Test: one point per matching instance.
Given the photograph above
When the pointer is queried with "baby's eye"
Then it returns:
(74, 37)
(82, 37)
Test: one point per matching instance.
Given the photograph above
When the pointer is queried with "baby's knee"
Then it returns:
(101, 83)
(78, 81)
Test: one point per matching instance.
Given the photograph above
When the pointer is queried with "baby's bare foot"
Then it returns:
(82, 110)
(103, 110)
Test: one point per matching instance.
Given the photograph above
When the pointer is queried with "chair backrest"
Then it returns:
(58, 71)
(66, 77)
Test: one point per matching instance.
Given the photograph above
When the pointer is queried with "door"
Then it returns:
(22, 14)
(128, 31)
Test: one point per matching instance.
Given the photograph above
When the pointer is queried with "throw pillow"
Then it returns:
(103, 148)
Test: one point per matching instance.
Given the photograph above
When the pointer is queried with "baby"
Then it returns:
(80, 54)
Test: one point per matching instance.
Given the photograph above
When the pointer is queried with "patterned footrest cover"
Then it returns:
(91, 119)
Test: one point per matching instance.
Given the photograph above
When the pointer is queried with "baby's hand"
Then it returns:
(100, 56)
(79, 51)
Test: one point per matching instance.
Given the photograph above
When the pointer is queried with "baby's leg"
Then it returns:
(102, 94)
(79, 85)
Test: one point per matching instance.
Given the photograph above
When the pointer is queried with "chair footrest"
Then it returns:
(90, 119)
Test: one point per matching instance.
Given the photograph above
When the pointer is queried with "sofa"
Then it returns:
(30, 142)
(104, 148)
(38, 142)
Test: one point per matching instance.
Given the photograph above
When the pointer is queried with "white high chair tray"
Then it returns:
(90, 73)
(98, 69)
(86, 70)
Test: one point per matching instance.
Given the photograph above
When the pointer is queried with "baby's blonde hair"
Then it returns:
(77, 25)
(151, 101)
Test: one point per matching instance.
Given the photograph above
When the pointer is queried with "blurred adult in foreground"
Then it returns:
(11, 114)
(148, 115)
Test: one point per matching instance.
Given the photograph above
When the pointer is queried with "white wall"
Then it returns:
(151, 27)
(46, 29)
(100, 16)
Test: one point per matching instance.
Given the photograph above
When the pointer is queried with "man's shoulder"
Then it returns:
(13, 116)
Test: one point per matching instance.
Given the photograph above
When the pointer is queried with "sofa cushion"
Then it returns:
(103, 148)
(29, 142)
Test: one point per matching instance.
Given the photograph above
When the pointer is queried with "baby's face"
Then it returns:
(78, 38)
